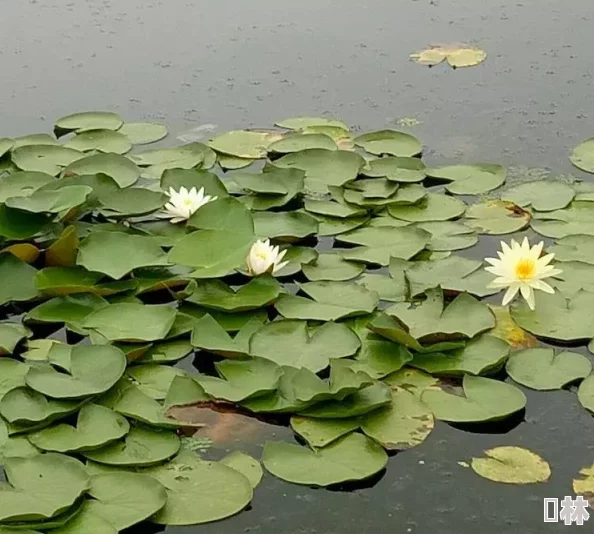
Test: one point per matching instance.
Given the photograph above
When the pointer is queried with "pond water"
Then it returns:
(221, 65)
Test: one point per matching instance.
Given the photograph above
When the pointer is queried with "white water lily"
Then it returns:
(183, 203)
(264, 258)
(521, 268)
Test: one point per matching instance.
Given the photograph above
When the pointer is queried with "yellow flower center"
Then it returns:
(262, 255)
(525, 269)
(187, 201)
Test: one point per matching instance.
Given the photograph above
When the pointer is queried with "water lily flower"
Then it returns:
(521, 268)
(183, 203)
(264, 258)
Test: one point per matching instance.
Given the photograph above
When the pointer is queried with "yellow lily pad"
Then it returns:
(512, 465)
(457, 55)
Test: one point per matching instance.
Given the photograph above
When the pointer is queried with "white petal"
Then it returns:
(542, 262)
(537, 250)
(279, 266)
(528, 294)
(510, 294)
(493, 261)
(542, 286)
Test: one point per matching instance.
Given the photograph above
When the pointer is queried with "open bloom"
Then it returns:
(184, 203)
(264, 258)
(520, 268)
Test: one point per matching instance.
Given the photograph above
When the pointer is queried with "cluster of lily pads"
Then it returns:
(350, 340)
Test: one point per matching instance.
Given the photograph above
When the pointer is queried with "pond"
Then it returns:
(203, 68)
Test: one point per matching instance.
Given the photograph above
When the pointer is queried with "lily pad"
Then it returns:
(457, 55)
(381, 243)
(18, 279)
(22, 184)
(5, 145)
(131, 322)
(574, 248)
(67, 309)
(109, 253)
(322, 432)
(300, 123)
(12, 375)
(351, 458)
(10, 336)
(284, 226)
(469, 179)
(199, 491)
(332, 266)
(544, 369)
(290, 343)
(302, 141)
(389, 289)
(152, 379)
(585, 486)
(512, 465)
(297, 258)
(484, 400)
(97, 426)
(56, 201)
(41, 487)
(449, 235)
(243, 143)
(107, 141)
(88, 120)
(396, 169)
(582, 156)
(404, 423)
(434, 207)
(540, 195)
(290, 179)
(585, 393)
(91, 370)
(389, 142)
(142, 133)
(209, 335)
(117, 167)
(329, 301)
(496, 217)
(246, 465)
(44, 158)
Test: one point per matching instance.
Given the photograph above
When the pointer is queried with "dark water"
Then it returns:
(236, 64)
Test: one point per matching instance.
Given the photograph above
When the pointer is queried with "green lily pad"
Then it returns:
(265, 182)
(67, 309)
(302, 141)
(453, 273)
(300, 123)
(199, 491)
(92, 370)
(10, 336)
(404, 423)
(180, 157)
(290, 343)
(12, 375)
(582, 156)
(469, 179)
(284, 226)
(109, 253)
(574, 248)
(429, 321)
(14, 447)
(88, 120)
(297, 258)
(41, 487)
(544, 369)
(153, 380)
(381, 243)
(143, 133)
(449, 235)
(577, 218)
(243, 143)
(96, 426)
(396, 169)
(373, 190)
(167, 352)
(34, 139)
(496, 217)
(330, 208)
(351, 458)
(221, 244)
(321, 432)
(241, 380)
(484, 400)
(481, 355)
(86, 521)
(232, 163)
(557, 317)
(53, 281)
(44, 158)
(512, 465)
(117, 167)
(209, 335)
(390, 142)
(56, 201)
(107, 141)
(140, 447)
(5, 145)
(586, 393)
(189, 178)
(329, 301)
(540, 195)
(332, 266)
(131, 322)
(132, 201)
(330, 226)
(260, 291)
(246, 465)
(18, 279)
(389, 289)
(434, 207)
(20, 224)
(291, 180)
(22, 184)
(324, 168)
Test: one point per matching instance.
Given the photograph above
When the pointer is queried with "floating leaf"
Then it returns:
(88, 120)
(353, 457)
(403, 424)
(290, 343)
(297, 258)
(231, 163)
(329, 226)
(57, 201)
(246, 465)
(457, 55)
(121, 169)
(209, 335)
(67, 309)
(577, 218)
(109, 253)
(381, 243)
(390, 142)
(132, 201)
(22, 184)
(540, 195)
(582, 156)
(411, 380)
(389, 289)
(496, 217)
(101, 140)
(448, 235)
(23, 251)
(44, 158)
(18, 279)
(199, 491)
(434, 207)
(302, 141)
(243, 143)
(543, 369)
(396, 169)
(469, 179)
(484, 400)
(19, 224)
(322, 432)
(12, 375)
(332, 267)
(5, 145)
(331, 301)
(374, 191)
(284, 226)
(299, 123)
(96, 426)
(153, 380)
(574, 248)
(512, 465)
(41, 487)
(585, 486)
(481, 355)
(10, 336)
(142, 133)
(289, 179)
